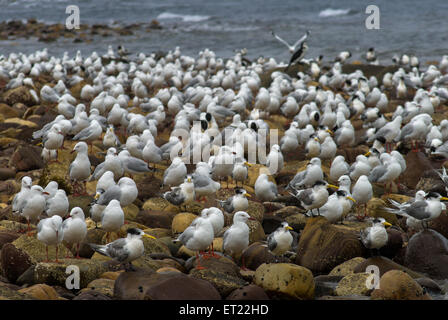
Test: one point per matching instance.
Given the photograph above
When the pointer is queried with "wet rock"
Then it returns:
(429, 285)
(13, 262)
(249, 292)
(54, 273)
(353, 284)
(384, 265)
(41, 292)
(325, 285)
(222, 273)
(19, 94)
(155, 219)
(182, 221)
(257, 254)
(91, 295)
(26, 158)
(7, 173)
(346, 267)
(398, 285)
(394, 243)
(7, 293)
(285, 280)
(7, 237)
(322, 245)
(427, 252)
(297, 221)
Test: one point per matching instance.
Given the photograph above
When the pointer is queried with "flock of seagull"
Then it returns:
(224, 109)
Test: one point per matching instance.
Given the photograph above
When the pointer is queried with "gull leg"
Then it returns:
(198, 262)
(46, 248)
(57, 254)
(243, 264)
(77, 251)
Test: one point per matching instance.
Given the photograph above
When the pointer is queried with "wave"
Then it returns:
(329, 12)
(183, 17)
(219, 28)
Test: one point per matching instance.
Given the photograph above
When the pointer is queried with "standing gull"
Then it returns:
(236, 238)
(280, 240)
(79, 169)
(362, 192)
(375, 237)
(238, 202)
(75, 228)
(50, 232)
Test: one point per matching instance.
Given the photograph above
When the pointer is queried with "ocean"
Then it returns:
(412, 27)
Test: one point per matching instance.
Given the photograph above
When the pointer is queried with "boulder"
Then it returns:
(285, 280)
(55, 273)
(155, 219)
(7, 292)
(130, 212)
(182, 221)
(325, 285)
(19, 94)
(256, 210)
(398, 285)
(257, 254)
(427, 252)
(297, 221)
(249, 292)
(375, 209)
(7, 173)
(26, 158)
(394, 243)
(353, 284)
(159, 204)
(7, 237)
(104, 286)
(440, 224)
(13, 262)
(91, 295)
(8, 112)
(384, 265)
(347, 267)
(322, 245)
(41, 292)
(36, 249)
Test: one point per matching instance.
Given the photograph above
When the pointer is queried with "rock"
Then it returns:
(162, 286)
(256, 232)
(322, 245)
(346, 267)
(222, 273)
(92, 236)
(429, 285)
(375, 209)
(7, 237)
(110, 275)
(287, 211)
(384, 265)
(36, 249)
(344, 298)
(430, 181)
(182, 221)
(13, 262)
(256, 210)
(148, 187)
(297, 221)
(64, 292)
(54, 273)
(41, 292)
(7, 173)
(27, 277)
(158, 232)
(398, 285)
(285, 280)
(91, 295)
(325, 285)
(8, 112)
(26, 158)
(427, 252)
(167, 270)
(394, 243)
(257, 254)
(249, 292)
(155, 219)
(7, 293)
(103, 286)
(159, 204)
(353, 284)
(81, 201)
(130, 212)
(19, 94)
(271, 223)
(440, 224)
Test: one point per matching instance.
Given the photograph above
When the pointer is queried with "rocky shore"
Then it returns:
(329, 261)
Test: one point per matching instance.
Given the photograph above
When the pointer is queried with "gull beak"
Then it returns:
(350, 198)
(149, 236)
(189, 179)
(72, 151)
(96, 196)
(330, 132)
(247, 195)
(316, 139)
(333, 186)
(39, 144)
(248, 164)
(289, 228)
(444, 198)
(387, 224)
(251, 218)
(46, 193)
(367, 154)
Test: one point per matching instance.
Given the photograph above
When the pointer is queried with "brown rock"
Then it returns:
(384, 265)
(91, 295)
(8, 112)
(257, 254)
(322, 245)
(104, 286)
(14, 262)
(19, 94)
(353, 284)
(398, 285)
(7, 237)
(41, 292)
(182, 221)
(26, 158)
(249, 292)
(7, 173)
(155, 219)
(347, 267)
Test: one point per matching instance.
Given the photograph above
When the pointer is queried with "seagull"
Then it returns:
(443, 176)
(265, 190)
(333, 209)
(111, 163)
(132, 165)
(113, 217)
(280, 240)
(33, 205)
(298, 55)
(152, 153)
(75, 228)
(423, 210)
(315, 197)
(362, 192)
(183, 194)
(57, 205)
(124, 250)
(106, 181)
(198, 237)
(79, 169)
(175, 173)
(236, 238)
(240, 171)
(375, 237)
(50, 232)
(410, 221)
(339, 167)
(274, 160)
(125, 191)
(110, 139)
(387, 172)
(238, 202)
(308, 177)
(216, 218)
(89, 134)
(20, 198)
(294, 47)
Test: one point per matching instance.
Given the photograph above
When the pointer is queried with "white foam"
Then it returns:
(333, 12)
(185, 18)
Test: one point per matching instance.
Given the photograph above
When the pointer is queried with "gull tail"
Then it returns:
(101, 249)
